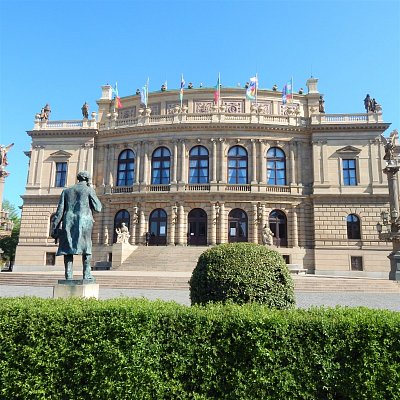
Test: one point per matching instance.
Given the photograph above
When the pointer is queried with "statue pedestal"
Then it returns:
(120, 252)
(83, 288)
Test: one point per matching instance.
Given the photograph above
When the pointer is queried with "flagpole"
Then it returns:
(219, 90)
(147, 92)
(292, 90)
(256, 85)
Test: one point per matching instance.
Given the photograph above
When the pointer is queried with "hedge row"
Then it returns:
(137, 349)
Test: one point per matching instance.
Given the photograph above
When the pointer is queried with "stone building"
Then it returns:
(204, 174)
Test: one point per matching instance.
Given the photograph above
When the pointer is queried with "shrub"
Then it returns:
(242, 273)
(136, 349)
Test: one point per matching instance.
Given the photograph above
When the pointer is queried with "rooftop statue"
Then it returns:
(85, 110)
(389, 148)
(73, 222)
(3, 154)
(321, 102)
(45, 112)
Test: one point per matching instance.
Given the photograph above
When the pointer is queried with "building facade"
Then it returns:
(205, 173)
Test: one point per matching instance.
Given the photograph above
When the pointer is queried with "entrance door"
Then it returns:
(278, 225)
(158, 228)
(197, 222)
(237, 226)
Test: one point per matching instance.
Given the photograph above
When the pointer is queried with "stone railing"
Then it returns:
(210, 187)
(65, 125)
(346, 118)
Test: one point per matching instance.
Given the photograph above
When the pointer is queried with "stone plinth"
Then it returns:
(120, 252)
(83, 288)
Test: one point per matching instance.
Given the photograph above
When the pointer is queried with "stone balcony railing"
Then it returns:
(113, 122)
(210, 187)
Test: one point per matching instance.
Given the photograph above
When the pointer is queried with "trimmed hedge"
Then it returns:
(242, 273)
(137, 349)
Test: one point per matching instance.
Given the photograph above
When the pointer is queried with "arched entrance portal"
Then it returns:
(237, 221)
(158, 228)
(197, 223)
(278, 225)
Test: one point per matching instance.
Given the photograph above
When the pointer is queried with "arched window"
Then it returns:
(237, 165)
(158, 227)
(120, 217)
(160, 162)
(198, 165)
(238, 222)
(353, 227)
(126, 168)
(276, 166)
(278, 225)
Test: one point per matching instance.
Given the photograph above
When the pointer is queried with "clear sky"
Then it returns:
(61, 52)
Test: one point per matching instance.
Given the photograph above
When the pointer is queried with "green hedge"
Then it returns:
(137, 349)
(242, 273)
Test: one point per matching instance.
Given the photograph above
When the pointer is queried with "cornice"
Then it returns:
(63, 132)
(349, 127)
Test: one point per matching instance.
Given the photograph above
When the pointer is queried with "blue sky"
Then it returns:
(61, 52)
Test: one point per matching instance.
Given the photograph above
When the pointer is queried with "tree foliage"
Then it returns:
(9, 244)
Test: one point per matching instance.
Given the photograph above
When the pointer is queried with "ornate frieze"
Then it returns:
(203, 107)
(125, 113)
(170, 106)
(265, 107)
(155, 108)
(233, 107)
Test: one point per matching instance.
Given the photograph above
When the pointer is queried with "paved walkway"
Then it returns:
(389, 301)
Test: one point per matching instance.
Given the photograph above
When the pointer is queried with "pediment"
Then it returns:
(61, 154)
(348, 150)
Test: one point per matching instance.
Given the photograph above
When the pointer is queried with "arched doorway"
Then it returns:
(158, 227)
(197, 223)
(237, 226)
(278, 225)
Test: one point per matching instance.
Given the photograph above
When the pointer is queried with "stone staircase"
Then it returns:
(163, 258)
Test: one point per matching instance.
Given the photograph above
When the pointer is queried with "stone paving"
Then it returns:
(389, 301)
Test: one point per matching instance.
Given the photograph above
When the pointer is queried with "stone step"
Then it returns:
(302, 284)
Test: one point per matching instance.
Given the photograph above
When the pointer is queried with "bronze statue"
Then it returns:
(367, 103)
(85, 110)
(73, 222)
(321, 102)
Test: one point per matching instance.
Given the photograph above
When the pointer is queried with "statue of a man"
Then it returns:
(267, 236)
(321, 102)
(85, 110)
(73, 222)
(367, 103)
(389, 150)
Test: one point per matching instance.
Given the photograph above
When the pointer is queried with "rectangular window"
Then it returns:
(50, 258)
(349, 173)
(356, 263)
(61, 174)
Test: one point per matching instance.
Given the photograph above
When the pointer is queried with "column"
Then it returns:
(262, 166)
(317, 161)
(138, 161)
(373, 162)
(255, 223)
(146, 163)
(214, 161)
(171, 225)
(133, 230)
(174, 163)
(142, 226)
(183, 162)
(253, 162)
(111, 165)
(292, 145)
(32, 166)
(39, 166)
(213, 226)
(295, 233)
(299, 163)
(324, 162)
(223, 236)
(181, 226)
(106, 159)
(222, 160)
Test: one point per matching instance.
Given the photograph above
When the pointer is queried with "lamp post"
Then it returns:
(390, 220)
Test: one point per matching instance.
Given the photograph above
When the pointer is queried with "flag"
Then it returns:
(181, 91)
(144, 95)
(166, 85)
(117, 99)
(217, 90)
(287, 92)
(251, 91)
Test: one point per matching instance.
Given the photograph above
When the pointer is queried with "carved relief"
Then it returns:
(265, 107)
(203, 107)
(125, 113)
(289, 109)
(155, 108)
(234, 107)
(170, 105)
